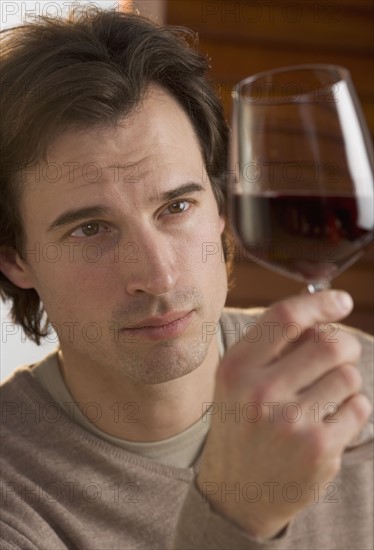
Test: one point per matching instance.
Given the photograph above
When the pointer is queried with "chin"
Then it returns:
(166, 365)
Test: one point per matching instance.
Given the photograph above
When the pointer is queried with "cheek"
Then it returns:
(73, 286)
(208, 254)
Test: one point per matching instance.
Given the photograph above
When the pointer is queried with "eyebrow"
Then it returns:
(177, 192)
(74, 215)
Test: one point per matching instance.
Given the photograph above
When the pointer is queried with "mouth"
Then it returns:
(158, 328)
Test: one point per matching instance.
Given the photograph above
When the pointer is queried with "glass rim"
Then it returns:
(305, 66)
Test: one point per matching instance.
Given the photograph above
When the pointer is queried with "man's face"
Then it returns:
(113, 250)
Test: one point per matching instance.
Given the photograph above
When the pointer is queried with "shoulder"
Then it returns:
(26, 374)
(23, 397)
(13, 387)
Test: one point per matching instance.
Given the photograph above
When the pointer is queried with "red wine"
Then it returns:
(307, 237)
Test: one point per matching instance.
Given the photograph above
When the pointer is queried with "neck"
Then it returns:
(143, 412)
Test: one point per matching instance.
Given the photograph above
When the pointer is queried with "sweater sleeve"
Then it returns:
(200, 528)
(12, 539)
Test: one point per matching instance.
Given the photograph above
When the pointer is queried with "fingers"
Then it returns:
(303, 366)
(304, 311)
(271, 337)
(301, 312)
(350, 418)
(331, 391)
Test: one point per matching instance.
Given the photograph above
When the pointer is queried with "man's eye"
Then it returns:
(178, 207)
(89, 230)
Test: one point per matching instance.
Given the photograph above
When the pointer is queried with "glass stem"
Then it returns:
(318, 285)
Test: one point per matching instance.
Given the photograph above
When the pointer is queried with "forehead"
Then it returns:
(152, 147)
(158, 121)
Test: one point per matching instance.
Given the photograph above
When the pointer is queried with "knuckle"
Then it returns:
(310, 338)
(356, 347)
(351, 345)
(289, 430)
(283, 310)
(333, 352)
(361, 407)
(346, 349)
(333, 466)
(318, 445)
(350, 376)
(264, 392)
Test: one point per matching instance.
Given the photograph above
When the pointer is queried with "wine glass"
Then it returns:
(301, 165)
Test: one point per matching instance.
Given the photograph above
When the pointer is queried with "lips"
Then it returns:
(166, 327)
(159, 321)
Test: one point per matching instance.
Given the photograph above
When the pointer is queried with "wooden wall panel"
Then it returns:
(331, 24)
(245, 37)
(257, 286)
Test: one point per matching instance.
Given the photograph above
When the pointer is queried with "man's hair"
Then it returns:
(91, 70)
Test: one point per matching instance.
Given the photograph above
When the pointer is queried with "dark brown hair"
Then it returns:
(91, 69)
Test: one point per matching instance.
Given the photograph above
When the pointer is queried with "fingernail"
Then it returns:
(344, 300)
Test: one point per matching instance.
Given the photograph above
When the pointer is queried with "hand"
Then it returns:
(262, 448)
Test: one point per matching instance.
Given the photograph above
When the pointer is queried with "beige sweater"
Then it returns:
(63, 487)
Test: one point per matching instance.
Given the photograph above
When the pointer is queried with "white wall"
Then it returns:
(15, 348)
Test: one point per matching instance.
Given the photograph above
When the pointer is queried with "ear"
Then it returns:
(14, 268)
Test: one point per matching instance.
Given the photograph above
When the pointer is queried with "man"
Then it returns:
(144, 430)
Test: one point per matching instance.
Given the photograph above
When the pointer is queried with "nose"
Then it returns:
(153, 267)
